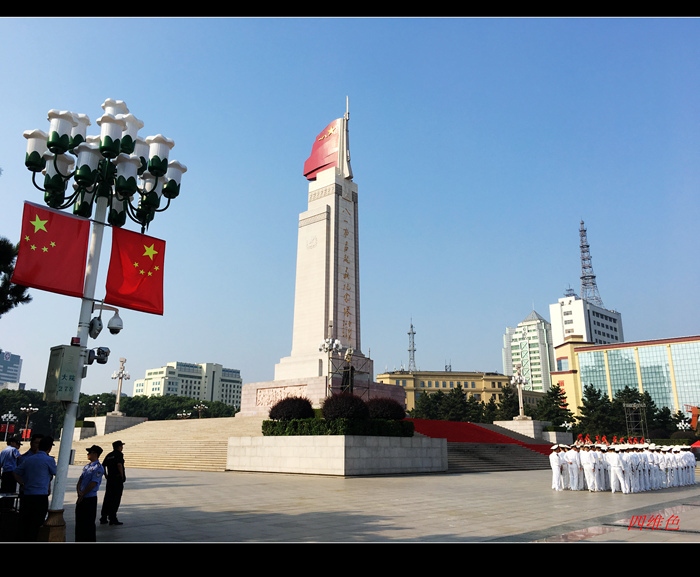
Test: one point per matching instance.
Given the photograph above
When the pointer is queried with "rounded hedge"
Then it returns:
(344, 406)
(292, 408)
(386, 408)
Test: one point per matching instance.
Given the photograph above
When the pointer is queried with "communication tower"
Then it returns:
(589, 288)
(411, 350)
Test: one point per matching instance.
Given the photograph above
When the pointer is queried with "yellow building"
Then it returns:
(483, 386)
(668, 369)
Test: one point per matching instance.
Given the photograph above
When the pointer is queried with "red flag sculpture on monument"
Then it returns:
(52, 251)
(135, 275)
(324, 152)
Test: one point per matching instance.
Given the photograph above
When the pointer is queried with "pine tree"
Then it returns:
(11, 294)
(595, 410)
(554, 408)
(509, 407)
(454, 405)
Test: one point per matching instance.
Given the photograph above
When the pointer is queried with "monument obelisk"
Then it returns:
(327, 291)
(327, 294)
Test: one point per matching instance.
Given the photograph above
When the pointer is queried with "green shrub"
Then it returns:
(292, 408)
(344, 406)
(342, 426)
(386, 408)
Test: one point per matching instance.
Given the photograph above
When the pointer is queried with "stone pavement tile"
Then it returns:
(184, 506)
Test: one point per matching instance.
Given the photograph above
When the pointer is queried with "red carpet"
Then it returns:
(457, 432)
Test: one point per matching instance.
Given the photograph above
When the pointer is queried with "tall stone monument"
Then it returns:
(327, 293)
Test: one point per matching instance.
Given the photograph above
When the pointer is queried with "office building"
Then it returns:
(572, 315)
(483, 386)
(206, 382)
(529, 345)
(667, 369)
(10, 367)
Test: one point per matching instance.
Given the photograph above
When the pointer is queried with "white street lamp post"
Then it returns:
(122, 175)
(520, 381)
(329, 346)
(8, 418)
(120, 374)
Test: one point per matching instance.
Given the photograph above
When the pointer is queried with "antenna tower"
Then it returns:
(589, 288)
(411, 350)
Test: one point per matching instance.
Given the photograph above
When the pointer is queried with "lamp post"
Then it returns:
(122, 373)
(8, 418)
(29, 411)
(519, 381)
(122, 175)
(329, 346)
(199, 408)
(183, 415)
(96, 405)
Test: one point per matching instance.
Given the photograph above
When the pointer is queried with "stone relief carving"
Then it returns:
(269, 396)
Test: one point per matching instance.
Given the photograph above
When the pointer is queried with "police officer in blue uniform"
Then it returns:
(34, 474)
(87, 487)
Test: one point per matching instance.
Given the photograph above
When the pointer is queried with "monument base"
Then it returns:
(258, 398)
(527, 427)
(337, 455)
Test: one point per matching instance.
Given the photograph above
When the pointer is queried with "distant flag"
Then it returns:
(325, 150)
(52, 251)
(135, 274)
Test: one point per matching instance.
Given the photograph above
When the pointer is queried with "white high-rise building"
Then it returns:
(572, 315)
(530, 346)
(205, 382)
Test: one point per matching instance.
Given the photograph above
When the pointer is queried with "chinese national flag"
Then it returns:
(52, 251)
(135, 275)
(324, 152)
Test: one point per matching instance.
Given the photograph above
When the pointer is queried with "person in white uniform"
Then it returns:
(557, 464)
(588, 466)
(573, 461)
(617, 479)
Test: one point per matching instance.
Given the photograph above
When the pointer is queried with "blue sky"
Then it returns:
(478, 145)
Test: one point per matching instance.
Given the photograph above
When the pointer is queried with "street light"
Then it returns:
(183, 415)
(329, 346)
(8, 418)
(132, 174)
(96, 405)
(122, 373)
(29, 411)
(519, 381)
(122, 175)
(199, 408)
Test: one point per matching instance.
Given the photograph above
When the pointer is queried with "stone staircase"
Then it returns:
(482, 448)
(185, 445)
(490, 457)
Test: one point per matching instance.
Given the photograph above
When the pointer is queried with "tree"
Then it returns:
(454, 405)
(11, 294)
(477, 412)
(554, 408)
(596, 410)
(509, 407)
(428, 406)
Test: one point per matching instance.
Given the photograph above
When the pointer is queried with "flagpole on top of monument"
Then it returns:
(122, 175)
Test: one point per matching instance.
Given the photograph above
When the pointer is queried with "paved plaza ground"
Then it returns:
(504, 507)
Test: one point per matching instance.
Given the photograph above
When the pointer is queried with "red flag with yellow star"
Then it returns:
(52, 251)
(135, 274)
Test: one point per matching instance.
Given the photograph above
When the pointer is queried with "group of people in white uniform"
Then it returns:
(624, 468)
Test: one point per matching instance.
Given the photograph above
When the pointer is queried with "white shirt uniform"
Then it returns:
(556, 462)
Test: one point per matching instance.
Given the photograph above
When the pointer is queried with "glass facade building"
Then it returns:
(667, 369)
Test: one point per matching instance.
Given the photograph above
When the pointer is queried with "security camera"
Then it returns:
(115, 324)
(102, 355)
(95, 327)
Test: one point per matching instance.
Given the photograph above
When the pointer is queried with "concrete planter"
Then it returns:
(337, 455)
